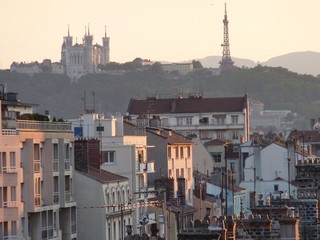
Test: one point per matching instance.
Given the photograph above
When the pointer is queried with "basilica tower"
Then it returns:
(105, 48)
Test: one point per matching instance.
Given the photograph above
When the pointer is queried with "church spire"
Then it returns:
(68, 31)
(105, 31)
(88, 29)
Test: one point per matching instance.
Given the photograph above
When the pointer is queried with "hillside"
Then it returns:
(300, 62)
(277, 88)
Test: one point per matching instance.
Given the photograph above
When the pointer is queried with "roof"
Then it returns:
(306, 136)
(187, 105)
(103, 176)
(171, 136)
(215, 142)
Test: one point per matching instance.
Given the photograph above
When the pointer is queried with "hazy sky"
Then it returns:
(163, 30)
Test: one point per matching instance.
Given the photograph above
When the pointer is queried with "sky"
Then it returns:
(162, 30)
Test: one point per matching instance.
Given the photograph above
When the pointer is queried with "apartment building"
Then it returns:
(172, 158)
(123, 155)
(48, 188)
(105, 215)
(36, 177)
(225, 118)
(11, 181)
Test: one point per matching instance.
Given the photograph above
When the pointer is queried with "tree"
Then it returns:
(196, 64)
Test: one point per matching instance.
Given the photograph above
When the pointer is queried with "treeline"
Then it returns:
(277, 88)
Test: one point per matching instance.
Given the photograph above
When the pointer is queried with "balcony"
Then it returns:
(8, 170)
(73, 227)
(43, 126)
(36, 166)
(37, 200)
(146, 167)
(10, 237)
(56, 197)
(68, 196)
(56, 165)
(67, 165)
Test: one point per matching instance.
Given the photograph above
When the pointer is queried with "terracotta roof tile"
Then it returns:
(103, 176)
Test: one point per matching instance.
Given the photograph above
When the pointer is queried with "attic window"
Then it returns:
(204, 120)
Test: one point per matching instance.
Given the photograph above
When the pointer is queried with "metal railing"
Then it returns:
(68, 196)
(37, 200)
(36, 166)
(56, 197)
(43, 126)
(56, 165)
(67, 165)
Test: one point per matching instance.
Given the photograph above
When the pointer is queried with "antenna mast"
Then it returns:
(226, 61)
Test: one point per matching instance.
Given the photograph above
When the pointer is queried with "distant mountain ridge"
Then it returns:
(300, 62)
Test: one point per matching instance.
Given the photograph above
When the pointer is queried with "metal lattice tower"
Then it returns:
(226, 61)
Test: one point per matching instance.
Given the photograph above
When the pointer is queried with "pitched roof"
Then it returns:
(103, 176)
(187, 105)
(306, 136)
(171, 136)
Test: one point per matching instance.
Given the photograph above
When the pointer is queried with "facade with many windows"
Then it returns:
(11, 182)
(208, 118)
(47, 160)
(36, 187)
(123, 155)
(106, 215)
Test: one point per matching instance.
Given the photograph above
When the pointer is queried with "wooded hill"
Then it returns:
(277, 88)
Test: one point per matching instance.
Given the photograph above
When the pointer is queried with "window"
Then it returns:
(189, 120)
(276, 187)
(188, 151)
(13, 228)
(4, 162)
(182, 172)
(13, 194)
(169, 152)
(235, 135)
(67, 151)
(216, 156)
(234, 119)
(179, 121)
(170, 173)
(109, 156)
(177, 152)
(181, 152)
(36, 151)
(220, 119)
(55, 151)
(220, 134)
(177, 173)
(141, 156)
(12, 160)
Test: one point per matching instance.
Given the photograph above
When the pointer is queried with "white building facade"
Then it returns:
(207, 118)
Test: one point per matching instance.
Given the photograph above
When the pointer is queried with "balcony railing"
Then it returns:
(43, 126)
(68, 196)
(9, 132)
(73, 227)
(37, 200)
(36, 166)
(8, 170)
(56, 197)
(67, 165)
(11, 237)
